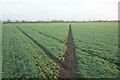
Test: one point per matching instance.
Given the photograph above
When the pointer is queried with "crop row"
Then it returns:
(53, 30)
(26, 59)
(0, 51)
(54, 47)
(96, 49)
(50, 55)
(47, 35)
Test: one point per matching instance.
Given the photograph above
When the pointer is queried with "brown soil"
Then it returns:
(70, 59)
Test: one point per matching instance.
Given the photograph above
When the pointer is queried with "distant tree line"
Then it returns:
(56, 21)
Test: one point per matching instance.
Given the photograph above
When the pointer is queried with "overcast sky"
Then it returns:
(59, 9)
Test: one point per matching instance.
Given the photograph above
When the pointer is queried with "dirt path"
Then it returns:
(68, 67)
(70, 59)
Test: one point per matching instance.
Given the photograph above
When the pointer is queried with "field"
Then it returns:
(41, 50)
(96, 49)
(0, 51)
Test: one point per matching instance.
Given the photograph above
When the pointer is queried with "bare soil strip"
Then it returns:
(68, 67)
(51, 56)
(70, 59)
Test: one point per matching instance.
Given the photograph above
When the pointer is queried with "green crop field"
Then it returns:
(36, 50)
(96, 49)
(0, 51)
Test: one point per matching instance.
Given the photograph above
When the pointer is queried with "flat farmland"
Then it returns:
(96, 49)
(42, 50)
(0, 51)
